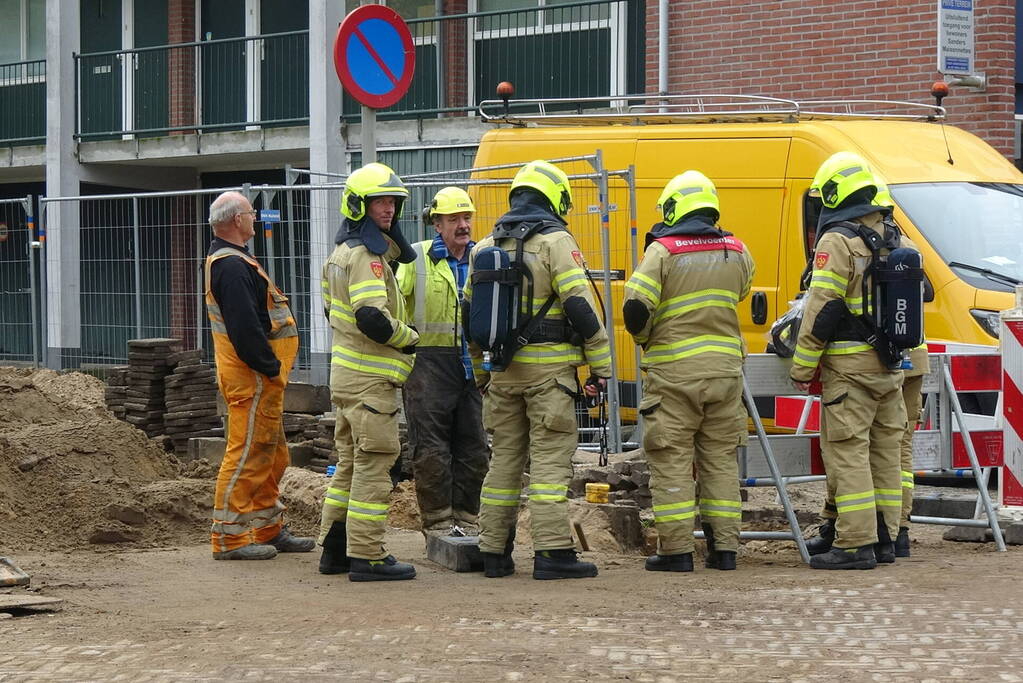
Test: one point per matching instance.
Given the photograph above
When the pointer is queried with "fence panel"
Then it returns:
(20, 329)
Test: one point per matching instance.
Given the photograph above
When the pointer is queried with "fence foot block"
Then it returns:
(457, 553)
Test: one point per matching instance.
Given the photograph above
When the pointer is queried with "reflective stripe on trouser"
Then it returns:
(863, 422)
(246, 503)
(912, 398)
(534, 424)
(366, 441)
(445, 435)
(689, 422)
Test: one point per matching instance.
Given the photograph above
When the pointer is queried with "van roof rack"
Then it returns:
(701, 108)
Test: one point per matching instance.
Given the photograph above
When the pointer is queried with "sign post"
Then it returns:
(375, 58)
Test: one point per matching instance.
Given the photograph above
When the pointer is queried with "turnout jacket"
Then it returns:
(365, 310)
(681, 304)
(836, 283)
(558, 268)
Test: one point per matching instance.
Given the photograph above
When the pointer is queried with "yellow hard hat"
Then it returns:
(686, 193)
(884, 195)
(450, 200)
(842, 174)
(372, 180)
(548, 180)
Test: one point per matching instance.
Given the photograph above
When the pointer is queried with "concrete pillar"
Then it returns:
(326, 154)
(63, 176)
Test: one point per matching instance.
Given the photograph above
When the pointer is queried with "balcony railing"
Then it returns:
(23, 103)
(590, 48)
(228, 84)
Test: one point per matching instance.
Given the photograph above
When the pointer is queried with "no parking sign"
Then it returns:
(374, 55)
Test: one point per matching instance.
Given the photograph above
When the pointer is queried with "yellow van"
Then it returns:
(958, 199)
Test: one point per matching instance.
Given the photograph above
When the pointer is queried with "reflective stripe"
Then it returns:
(378, 365)
(551, 492)
(855, 501)
(703, 298)
(337, 497)
(401, 337)
(720, 508)
(907, 480)
(888, 497)
(844, 348)
(374, 512)
(342, 311)
(826, 279)
(854, 304)
(808, 358)
(367, 289)
(250, 427)
(548, 354)
(500, 497)
(420, 316)
(569, 279)
(644, 284)
(704, 343)
(601, 353)
(554, 310)
(672, 512)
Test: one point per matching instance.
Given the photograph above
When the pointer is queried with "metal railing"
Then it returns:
(210, 85)
(23, 103)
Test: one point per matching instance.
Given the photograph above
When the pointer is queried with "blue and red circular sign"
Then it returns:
(374, 55)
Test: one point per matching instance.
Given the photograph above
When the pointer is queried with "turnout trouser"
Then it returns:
(246, 502)
(685, 422)
(863, 421)
(912, 398)
(445, 433)
(534, 424)
(366, 441)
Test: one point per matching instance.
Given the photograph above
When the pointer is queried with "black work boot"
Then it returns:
(845, 558)
(561, 564)
(716, 559)
(384, 569)
(821, 543)
(884, 549)
(679, 562)
(496, 565)
(334, 559)
(902, 542)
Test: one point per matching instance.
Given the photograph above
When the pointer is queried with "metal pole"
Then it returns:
(138, 267)
(985, 476)
(43, 304)
(992, 518)
(768, 481)
(634, 246)
(783, 494)
(200, 275)
(369, 135)
(290, 199)
(662, 49)
(613, 399)
(268, 236)
(757, 535)
(33, 293)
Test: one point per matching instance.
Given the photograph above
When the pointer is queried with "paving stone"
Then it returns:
(210, 449)
(457, 553)
(313, 399)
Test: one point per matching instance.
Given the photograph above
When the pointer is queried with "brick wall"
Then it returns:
(874, 49)
(184, 267)
(181, 63)
(455, 44)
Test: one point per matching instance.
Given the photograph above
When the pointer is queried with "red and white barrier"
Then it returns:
(1010, 492)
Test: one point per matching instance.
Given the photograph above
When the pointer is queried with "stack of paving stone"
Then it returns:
(191, 398)
(116, 390)
(629, 481)
(323, 445)
(147, 368)
(300, 427)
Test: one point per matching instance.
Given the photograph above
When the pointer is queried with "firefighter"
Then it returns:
(443, 407)
(863, 417)
(371, 357)
(529, 406)
(681, 307)
(255, 341)
(913, 373)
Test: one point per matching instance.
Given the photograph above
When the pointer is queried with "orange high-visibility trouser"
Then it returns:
(246, 507)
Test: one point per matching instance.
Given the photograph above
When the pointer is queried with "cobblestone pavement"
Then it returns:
(949, 613)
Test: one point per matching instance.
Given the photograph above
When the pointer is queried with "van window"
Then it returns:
(811, 215)
(976, 228)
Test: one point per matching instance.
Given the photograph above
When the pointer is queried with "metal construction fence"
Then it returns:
(20, 313)
(138, 271)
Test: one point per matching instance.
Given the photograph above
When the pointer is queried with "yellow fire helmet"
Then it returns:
(372, 180)
(449, 200)
(842, 174)
(686, 193)
(548, 180)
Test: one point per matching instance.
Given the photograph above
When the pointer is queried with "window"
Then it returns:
(22, 30)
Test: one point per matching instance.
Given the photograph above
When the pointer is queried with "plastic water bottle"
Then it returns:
(331, 469)
(907, 364)
(486, 361)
